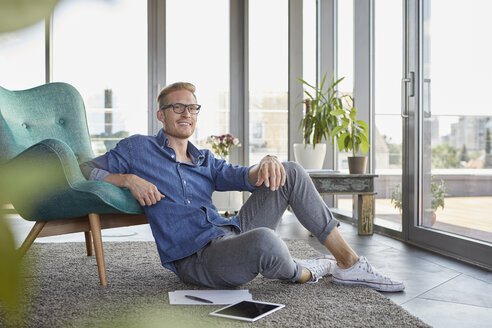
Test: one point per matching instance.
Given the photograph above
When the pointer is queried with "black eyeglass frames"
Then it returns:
(179, 108)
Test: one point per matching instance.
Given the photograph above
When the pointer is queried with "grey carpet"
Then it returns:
(65, 292)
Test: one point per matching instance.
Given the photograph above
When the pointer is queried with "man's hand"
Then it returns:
(270, 172)
(144, 192)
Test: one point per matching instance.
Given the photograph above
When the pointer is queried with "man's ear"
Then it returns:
(160, 115)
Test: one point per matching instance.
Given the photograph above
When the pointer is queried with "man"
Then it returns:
(174, 181)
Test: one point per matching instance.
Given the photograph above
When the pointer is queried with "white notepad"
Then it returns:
(216, 296)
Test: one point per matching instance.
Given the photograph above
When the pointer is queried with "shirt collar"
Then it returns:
(196, 155)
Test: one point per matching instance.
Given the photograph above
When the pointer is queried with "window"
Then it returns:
(457, 123)
(268, 78)
(345, 60)
(22, 58)
(388, 143)
(345, 70)
(199, 53)
(309, 40)
(104, 56)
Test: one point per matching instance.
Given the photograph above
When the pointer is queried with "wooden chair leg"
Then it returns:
(36, 229)
(88, 243)
(95, 223)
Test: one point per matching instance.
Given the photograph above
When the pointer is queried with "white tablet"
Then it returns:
(247, 310)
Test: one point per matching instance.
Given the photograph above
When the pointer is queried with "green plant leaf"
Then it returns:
(308, 94)
(363, 124)
(352, 114)
(364, 147)
(336, 130)
(341, 141)
(306, 83)
(337, 112)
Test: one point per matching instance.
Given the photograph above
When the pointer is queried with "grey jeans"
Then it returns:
(238, 257)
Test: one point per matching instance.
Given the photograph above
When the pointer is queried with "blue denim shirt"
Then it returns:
(185, 220)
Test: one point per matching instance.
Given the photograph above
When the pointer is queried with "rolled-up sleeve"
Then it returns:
(117, 160)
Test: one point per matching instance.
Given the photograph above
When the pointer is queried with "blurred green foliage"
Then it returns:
(18, 14)
(445, 156)
(10, 268)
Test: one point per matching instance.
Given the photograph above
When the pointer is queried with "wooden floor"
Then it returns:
(467, 216)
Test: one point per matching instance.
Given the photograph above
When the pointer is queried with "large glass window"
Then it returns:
(345, 60)
(387, 143)
(22, 58)
(268, 79)
(309, 41)
(345, 70)
(457, 120)
(100, 47)
(199, 53)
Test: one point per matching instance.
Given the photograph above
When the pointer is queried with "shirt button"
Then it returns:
(189, 201)
(172, 156)
(184, 181)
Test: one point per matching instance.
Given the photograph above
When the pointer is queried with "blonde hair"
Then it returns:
(161, 99)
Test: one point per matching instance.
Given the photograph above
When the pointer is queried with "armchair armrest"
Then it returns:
(45, 183)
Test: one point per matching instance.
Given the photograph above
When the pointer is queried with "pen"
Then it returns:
(199, 299)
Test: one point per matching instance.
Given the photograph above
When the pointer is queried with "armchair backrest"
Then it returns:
(53, 110)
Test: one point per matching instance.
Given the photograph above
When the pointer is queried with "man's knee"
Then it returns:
(266, 241)
(263, 235)
(292, 166)
(293, 169)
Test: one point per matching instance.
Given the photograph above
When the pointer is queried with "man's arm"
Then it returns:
(269, 171)
(144, 192)
(99, 168)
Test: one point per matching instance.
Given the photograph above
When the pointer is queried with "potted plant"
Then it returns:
(352, 135)
(438, 192)
(225, 201)
(318, 122)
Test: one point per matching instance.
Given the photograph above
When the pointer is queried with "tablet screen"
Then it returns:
(248, 310)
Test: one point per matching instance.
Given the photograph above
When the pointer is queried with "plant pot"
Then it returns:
(357, 164)
(433, 218)
(429, 218)
(309, 158)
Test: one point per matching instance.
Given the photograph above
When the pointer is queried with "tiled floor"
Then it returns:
(440, 291)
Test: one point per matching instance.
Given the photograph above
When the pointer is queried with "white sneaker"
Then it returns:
(319, 267)
(363, 274)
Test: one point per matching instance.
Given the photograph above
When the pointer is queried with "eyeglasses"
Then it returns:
(179, 108)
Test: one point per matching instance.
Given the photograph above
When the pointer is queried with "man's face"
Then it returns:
(181, 125)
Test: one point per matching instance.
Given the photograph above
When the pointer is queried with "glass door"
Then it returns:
(388, 127)
(450, 120)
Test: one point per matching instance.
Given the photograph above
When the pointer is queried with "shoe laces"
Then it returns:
(364, 265)
(318, 269)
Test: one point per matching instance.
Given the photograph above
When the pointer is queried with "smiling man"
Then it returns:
(174, 182)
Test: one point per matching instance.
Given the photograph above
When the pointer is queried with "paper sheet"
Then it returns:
(217, 296)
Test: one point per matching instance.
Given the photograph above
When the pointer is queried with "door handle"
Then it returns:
(408, 80)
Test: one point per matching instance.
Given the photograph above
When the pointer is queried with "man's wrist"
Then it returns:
(129, 180)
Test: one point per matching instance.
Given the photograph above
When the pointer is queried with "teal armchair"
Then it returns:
(43, 139)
